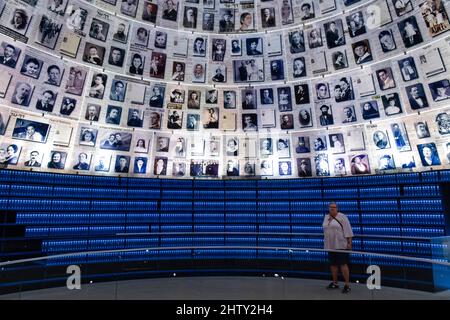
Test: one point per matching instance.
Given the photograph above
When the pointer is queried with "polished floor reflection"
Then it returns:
(224, 288)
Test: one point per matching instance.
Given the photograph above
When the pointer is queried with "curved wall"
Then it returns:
(299, 101)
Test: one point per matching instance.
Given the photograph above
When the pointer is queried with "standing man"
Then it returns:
(338, 236)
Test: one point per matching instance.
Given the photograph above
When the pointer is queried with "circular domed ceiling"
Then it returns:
(224, 88)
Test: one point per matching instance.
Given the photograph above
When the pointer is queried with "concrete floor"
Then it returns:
(222, 288)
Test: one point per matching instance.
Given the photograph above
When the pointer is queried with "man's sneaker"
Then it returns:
(346, 289)
(333, 286)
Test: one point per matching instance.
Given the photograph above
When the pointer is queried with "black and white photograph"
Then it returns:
(387, 41)
(408, 69)
(236, 47)
(76, 19)
(162, 144)
(322, 166)
(98, 84)
(232, 146)
(266, 96)
(122, 164)
(93, 54)
(54, 75)
(170, 10)
(9, 55)
(435, 17)
(194, 98)
(57, 160)
(355, 23)
(302, 145)
(174, 119)
(34, 159)
(283, 147)
(326, 115)
(343, 90)
(284, 99)
(113, 115)
(322, 91)
(334, 33)
(116, 56)
(339, 167)
(348, 114)
(250, 122)
(277, 69)
(99, 30)
(370, 110)
(248, 98)
(208, 21)
(440, 90)
(296, 41)
(115, 140)
(120, 32)
(212, 96)
(48, 32)
(362, 52)
(416, 96)
(219, 47)
(220, 73)
(314, 38)
(129, 7)
(102, 163)
(337, 143)
(57, 6)
(157, 96)
(210, 118)
(178, 169)
(410, 32)
(179, 147)
(429, 154)
(155, 120)
(266, 168)
(92, 112)
(391, 104)
(31, 66)
(339, 59)
(307, 10)
(301, 92)
(142, 144)
(22, 94)
(265, 147)
(20, 20)
(246, 21)
(46, 100)
(118, 90)
(385, 78)
(381, 140)
(149, 11)
(443, 123)
(190, 17)
(402, 7)
(305, 117)
(286, 121)
(177, 97)
(359, 164)
(268, 17)
(229, 99)
(4, 120)
(178, 71)
(158, 65)
(251, 70)
(88, 136)
(200, 47)
(254, 46)
(140, 165)
(160, 41)
(82, 161)
(304, 167)
(422, 130)
(386, 162)
(141, 37)
(199, 73)
(400, 137)
(135, 118)
(284, 168)
(137, 63)
(30, 130)
(9, 153)
(192, 122)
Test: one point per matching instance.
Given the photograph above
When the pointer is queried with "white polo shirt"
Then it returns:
(335, 235)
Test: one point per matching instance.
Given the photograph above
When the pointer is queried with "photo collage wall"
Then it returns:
(265, 89)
